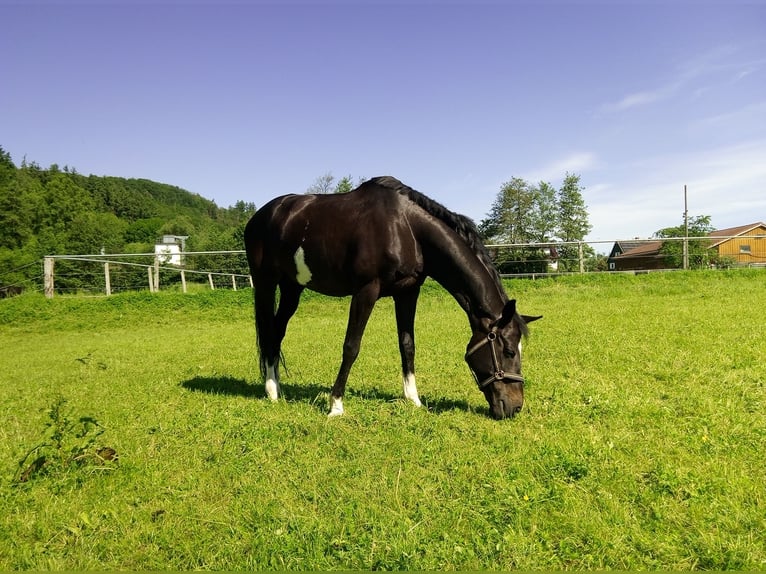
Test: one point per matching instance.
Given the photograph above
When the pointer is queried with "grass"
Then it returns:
(640, 445)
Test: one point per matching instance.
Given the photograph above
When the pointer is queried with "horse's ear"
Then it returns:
(509, 311)
(529, 319)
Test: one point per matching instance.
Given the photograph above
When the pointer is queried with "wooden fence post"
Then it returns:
(151, 279)
(107, 281)
(183, 280)
(234, 282)
(210, 280)
(48, 276)
(156, 274)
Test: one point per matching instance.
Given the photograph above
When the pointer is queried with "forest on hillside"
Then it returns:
(56, 211)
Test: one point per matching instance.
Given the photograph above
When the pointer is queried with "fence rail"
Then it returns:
(105, 274)
(110, 273)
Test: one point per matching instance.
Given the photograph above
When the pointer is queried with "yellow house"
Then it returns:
(745, 244)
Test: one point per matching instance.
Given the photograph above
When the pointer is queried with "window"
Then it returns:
(745, 249)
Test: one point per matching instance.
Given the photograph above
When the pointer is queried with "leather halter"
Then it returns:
(499, 375)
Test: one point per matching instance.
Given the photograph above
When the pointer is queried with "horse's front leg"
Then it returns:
(405, 305)
(361, 307)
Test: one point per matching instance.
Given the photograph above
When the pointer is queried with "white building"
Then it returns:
(169, 251)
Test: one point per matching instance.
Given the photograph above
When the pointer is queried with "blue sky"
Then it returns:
(250, 100)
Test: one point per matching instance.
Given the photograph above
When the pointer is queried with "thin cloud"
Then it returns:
(750, 114)
(556, 170)
(641, 99)
(716, 62)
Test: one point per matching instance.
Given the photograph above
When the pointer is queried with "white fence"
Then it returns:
(105, 274)
(110, 273)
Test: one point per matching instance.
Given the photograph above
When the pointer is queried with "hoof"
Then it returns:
(272, 390)
(336, 407)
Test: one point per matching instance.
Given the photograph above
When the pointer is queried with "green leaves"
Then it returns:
(66, 442)
(527, 213)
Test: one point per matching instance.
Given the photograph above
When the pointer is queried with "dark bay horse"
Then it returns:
(382, 240)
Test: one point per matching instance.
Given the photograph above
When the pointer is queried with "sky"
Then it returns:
(249, 100)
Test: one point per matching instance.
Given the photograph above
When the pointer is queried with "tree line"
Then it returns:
(522, 213)
(55, 211)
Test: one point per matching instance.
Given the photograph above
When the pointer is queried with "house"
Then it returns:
(636, 255)
(745, 245)
(170, 250)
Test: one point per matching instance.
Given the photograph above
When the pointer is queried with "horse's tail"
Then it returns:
(254, 250)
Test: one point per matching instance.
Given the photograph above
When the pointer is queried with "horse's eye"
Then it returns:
(509, 353)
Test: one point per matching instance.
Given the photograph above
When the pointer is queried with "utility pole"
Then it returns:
(686, 232)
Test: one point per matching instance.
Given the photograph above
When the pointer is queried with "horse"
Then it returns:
(383, 239)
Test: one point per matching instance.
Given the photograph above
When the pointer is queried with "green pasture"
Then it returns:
(134, 434)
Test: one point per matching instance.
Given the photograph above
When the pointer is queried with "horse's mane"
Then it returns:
(460, 224)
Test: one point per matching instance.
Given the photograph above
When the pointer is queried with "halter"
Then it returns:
(499, 375)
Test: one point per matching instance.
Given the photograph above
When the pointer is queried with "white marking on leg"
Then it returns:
(410, 390)
(272, 382)
(303, 273)
(336, 407)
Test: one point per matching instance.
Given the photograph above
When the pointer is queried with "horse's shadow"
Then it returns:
(309, 393)
(240, 388)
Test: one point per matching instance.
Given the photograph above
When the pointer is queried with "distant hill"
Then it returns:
(58, 211)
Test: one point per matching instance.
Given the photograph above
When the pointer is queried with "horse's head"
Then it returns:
(494, 357)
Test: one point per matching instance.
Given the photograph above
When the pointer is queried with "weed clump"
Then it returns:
(68, 442)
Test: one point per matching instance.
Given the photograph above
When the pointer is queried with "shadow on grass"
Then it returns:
(223, 386)
(241, 388)
(311, 392)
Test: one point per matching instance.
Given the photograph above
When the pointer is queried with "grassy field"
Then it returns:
(134, 434)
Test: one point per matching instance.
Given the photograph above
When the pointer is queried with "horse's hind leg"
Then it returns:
(272, 327)
(289, 297)
(404, 305)
(268, 344)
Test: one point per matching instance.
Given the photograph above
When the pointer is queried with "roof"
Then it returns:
(643, 248)
(627, 245)
(621, 247)
(725, 234)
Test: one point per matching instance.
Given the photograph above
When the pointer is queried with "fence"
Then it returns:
(112, 273)
(105, 274)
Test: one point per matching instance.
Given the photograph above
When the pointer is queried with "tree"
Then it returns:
(521, 213)
(243, 209)
(572, 221)
(322, 185)
(64, 200)
(91, 231)
(144, 230)
(511, 217)
(544, 217)
(699, 254)
(344, 185)
(524, 213)
(12, 220)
